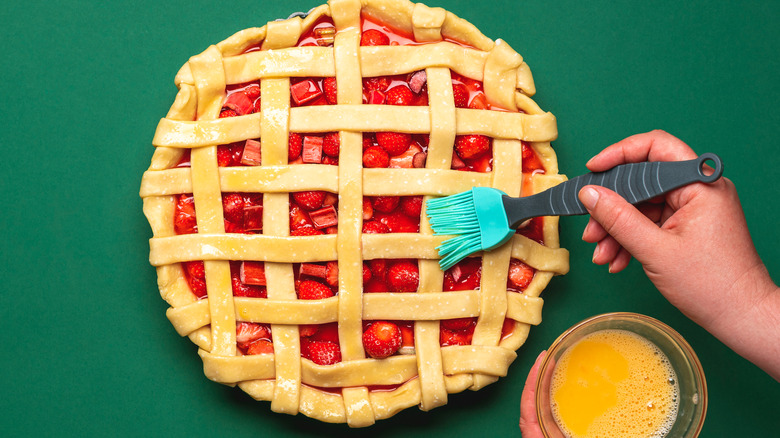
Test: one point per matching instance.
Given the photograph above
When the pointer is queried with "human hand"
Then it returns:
(529, 424)
(693, 244)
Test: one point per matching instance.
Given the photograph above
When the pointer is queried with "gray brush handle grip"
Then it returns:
(636, 182)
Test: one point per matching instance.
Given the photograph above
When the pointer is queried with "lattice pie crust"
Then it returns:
(344, 392)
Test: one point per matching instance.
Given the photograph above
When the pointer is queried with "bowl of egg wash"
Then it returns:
(621, 375)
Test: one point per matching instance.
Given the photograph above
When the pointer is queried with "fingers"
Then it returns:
(529, 424)
(627, 227)
(651, 146)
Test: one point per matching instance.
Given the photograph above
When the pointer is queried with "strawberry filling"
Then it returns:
(316, 212)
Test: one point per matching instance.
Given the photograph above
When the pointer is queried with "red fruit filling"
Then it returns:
(316, 212)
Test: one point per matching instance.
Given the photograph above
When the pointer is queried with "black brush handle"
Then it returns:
(636, 182)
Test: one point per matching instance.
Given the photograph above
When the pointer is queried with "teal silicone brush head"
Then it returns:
(477, 219)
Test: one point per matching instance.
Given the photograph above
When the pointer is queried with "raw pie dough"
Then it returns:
(290, 383)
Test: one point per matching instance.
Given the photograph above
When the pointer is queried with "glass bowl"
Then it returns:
(690, 376)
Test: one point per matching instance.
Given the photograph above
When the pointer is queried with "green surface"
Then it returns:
(86, 348)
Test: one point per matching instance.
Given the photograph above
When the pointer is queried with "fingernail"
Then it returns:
(589, 197)
(585, 231)
(596, 252)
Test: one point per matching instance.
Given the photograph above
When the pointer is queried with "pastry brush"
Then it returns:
(483, 218)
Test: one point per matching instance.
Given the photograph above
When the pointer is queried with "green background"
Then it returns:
(86, 349)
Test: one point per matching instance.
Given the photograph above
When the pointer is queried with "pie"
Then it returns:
(286, 197)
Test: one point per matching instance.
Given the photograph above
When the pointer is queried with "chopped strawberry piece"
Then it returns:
(368, 140)
(405, 160)
(224, 156)
(417, 80)
(312, 149)
(458, 323)
(403, 276)
(399, 223)
(375, 227)
(307, 330)
(375, 285)
(225, 113)
(298, 217)
(412, 205)
(330, 90)
(385, 204)
(378, 268)
(373, 37)
(198, 287)
(253, 218)
(533, 230)
(305, 91)
(327, 332)
(252, 273)
(245, 290)
(184, 220)
(233, 206)
(331, 144)
(466, 275)
(366, 273)
(531, 161)
(314, 290)
(407, 333)
(382, 339)
(313, 270)
(394, 142)
(400, 95)
(330, 199)
(368, 209)
(457, 163)
(520, 275)
(332, 274)
(195, 269)
(471, 146)
(295, 145)
(376, 84)
(258, 105)
(461, 95)
(375, 97)
(479, 101)
(252, 91)
(247, 332)
(375, 157)
(310, 200)
(306, 231)
(239, 103)
(260, 346)
(455, 337)
(321, 352)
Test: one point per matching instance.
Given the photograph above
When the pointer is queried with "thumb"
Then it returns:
(628, 226)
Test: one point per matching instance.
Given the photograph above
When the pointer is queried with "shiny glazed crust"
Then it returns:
(288, 381)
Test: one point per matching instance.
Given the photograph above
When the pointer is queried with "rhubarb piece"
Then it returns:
(239, 103)
(419, 160)
(405, 160)
(324, 217)
(417, 81)
(305, 91)
(251, 153)
(253, 218)
(312, 149)
(252, 273)
(313, 270)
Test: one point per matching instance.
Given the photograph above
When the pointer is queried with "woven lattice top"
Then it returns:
(425, 373)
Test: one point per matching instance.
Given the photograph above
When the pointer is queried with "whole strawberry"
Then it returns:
(314, 290)
(382, 339)
(471, 146)
(403, 276)
(321, 352)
